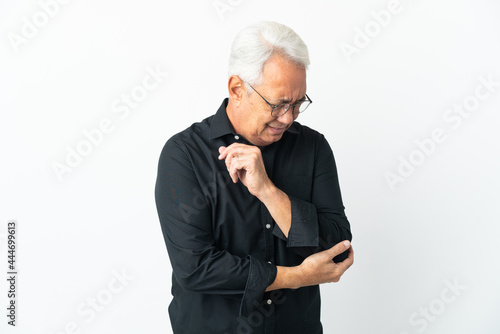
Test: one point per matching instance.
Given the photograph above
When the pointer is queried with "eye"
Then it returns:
(283, 106)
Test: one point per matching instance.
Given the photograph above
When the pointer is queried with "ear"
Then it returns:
(236, 88)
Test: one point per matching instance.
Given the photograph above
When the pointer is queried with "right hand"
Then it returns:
(319, 268)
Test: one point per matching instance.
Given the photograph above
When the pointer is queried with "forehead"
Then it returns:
(283, 80)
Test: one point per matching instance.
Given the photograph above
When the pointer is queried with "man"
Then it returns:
(249, 201)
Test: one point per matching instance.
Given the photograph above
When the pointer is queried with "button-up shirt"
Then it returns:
(224, 245)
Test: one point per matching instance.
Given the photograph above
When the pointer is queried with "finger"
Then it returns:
(231, 159)
(338, 248)
(225, 151)
(221, 151)
(344, 265)
(233, 153)
(236, 168)
(233, 169)
(235, 148)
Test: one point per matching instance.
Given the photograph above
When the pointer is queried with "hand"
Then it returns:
(244, 162)
(319, 268)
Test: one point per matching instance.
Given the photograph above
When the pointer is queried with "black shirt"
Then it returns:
(224, 245)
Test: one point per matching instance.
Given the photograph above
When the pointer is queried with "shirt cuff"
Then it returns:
(304, 229)
(261, 275)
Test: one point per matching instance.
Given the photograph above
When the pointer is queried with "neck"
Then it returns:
(231, 111)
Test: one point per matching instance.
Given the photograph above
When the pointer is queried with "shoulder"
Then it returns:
(194, 137)
(305, 133)
(306, 141)
(196, 130)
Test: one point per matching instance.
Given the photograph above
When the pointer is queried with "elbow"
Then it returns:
(187, 282)
(347, 235)
(195, 281)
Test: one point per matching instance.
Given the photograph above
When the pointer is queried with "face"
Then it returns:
(283, 82)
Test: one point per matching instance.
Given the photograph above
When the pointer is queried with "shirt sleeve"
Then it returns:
(320, 222)
(198, 265)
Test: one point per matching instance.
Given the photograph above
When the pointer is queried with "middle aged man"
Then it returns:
(249, 201)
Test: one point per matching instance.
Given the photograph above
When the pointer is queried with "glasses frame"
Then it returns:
(274, 106)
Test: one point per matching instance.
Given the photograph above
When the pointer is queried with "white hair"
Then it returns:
(256, 44)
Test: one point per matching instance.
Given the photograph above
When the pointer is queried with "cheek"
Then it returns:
(258, 124)
(263, 126)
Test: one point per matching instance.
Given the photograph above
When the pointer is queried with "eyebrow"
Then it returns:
(280, 101)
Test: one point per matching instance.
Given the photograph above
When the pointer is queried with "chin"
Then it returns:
(270, 139)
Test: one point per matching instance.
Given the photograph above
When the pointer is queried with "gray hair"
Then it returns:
(254, 45)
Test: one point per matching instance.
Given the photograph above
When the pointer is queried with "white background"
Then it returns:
(438, 227)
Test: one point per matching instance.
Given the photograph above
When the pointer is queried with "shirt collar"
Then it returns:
(221, 125)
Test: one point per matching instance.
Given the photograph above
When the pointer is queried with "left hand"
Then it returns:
(244, 162)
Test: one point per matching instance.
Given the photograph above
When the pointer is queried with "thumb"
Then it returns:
(221, 149)
(338, 248)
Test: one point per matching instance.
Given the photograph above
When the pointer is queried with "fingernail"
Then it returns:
(347, 244)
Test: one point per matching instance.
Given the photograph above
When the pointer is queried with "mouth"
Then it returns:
(277, 130)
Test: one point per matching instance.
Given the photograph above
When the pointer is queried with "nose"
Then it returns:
(287, 118)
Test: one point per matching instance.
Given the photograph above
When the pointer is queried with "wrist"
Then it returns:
(267, 192)
(300, 276)
(287, 278)
(295, 277)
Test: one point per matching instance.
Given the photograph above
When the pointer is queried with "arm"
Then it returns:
(245, 163)
(318, 268)
(319, 222)
(308, 224)
(198, 265)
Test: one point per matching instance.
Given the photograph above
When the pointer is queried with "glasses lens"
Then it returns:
(280, 110)
(283, 108)
(303, 106)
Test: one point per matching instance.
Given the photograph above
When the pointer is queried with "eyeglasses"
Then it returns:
(281, 109)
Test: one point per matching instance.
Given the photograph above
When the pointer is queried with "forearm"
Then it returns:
(279, 206)
(286, 278)
(312, 231)
(318, 268)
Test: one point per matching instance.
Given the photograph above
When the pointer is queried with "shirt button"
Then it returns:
(269, 262)
(268, 226)
(236, 137)
(269, 302)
